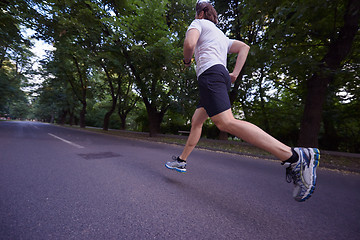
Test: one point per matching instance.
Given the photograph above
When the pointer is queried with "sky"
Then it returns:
(39, 49)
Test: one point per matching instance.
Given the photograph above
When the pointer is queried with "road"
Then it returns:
(60, 183)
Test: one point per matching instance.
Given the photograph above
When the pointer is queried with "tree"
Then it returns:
(113, 54)
(14, 56)
(248, 21)
(301, 45)
(54, 101)
(338, 50)
(127, 100)
(153, 57)
(75, 32)
(110, 56)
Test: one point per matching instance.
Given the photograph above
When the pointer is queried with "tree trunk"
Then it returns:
(52, 118)
(331, 139)
(155, 119)
(310, 125)
(223, 135)
(71, 117)
(107, 120)
(317, 85)
(82, 115)
(63, 117)
(83, 110)
(123, 121)
(108, 114)
(81, 98)
(114, 97)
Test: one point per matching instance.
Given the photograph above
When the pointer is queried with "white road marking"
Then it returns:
(68, 142)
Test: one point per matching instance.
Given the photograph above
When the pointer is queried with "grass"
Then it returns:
(338, 161)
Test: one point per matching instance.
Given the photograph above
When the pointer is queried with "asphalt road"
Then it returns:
(59, 183)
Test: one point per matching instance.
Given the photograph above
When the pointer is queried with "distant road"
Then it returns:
(60, 183)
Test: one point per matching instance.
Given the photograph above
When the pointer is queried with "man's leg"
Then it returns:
(179, 163)
(250, 133)
(302, 162)
(197, 122)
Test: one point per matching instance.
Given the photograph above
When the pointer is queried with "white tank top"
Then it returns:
(212, 47)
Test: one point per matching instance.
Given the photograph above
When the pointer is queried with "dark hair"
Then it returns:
(209, 11)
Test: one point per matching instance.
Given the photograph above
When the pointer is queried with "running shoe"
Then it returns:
(177, 165)
(303, 173)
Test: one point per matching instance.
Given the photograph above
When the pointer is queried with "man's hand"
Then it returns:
(233, 77)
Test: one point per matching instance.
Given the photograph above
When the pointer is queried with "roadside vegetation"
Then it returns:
(344, 162)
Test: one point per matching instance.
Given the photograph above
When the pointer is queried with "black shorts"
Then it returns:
(214, 85)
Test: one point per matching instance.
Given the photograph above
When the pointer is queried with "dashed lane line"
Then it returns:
(66, 141)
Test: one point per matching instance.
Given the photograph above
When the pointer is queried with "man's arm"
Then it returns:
(192, 36)
(242, 51)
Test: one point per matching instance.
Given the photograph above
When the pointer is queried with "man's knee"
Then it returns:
(196, 124)
(223, 125)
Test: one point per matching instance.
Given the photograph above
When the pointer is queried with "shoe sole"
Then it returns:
(176, 169)
(314, 164)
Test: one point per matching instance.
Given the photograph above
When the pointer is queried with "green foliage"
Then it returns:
(14, 57)
(13, 101)
(128, 53)
(288, 41)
